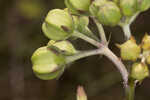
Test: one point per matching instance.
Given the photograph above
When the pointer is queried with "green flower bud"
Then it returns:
(78, 6)
(65, 46)
(47, 63)
(130, 50)
(58, 25)
(146, 42)
(128, 7)
(148, 59)
(143, 5)
(94, 8)
(139, 71)
(107, 12)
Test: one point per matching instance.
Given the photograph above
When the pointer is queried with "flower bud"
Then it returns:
(107, 12)
(81, 95)
(128, 7)
(94, 8)
(146, 42)
(58, 25)
(130, 50)
(143, 5)
(47, 63)
(148, 59)
(65, 46)
(78, 6)
(139, 71)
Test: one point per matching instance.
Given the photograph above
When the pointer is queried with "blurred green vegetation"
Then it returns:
(20, 29)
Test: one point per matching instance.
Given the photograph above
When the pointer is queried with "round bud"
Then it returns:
(94, 8)
(107, 12)
(83, 22)
(143, 5)
(146, 42)
(139, 71)
(78, 6)
(47, 63)
(58, 25)
(128, 7)
(64, 46)
(130, 50)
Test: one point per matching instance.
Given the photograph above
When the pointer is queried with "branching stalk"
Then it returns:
(101, 31)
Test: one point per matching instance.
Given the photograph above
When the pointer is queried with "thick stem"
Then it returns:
(101, 31)
(130, 91)
(120, 66)
(109, 54)
(86, 38)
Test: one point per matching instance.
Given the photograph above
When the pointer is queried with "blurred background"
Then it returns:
(20, 27)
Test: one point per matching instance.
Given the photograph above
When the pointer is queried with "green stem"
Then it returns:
(83, 54)
(101, 31)
(86, 38)
(126, 30)
(91, 34)
(130, 91)
(125, 24)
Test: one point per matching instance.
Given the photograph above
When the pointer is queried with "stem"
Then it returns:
(91, 34)
(105, 51)
(109, 54)
(83, 54)
(130, 91)
(120, 66)
(86, 38)
(126, 30)
(126, 25)
(101, 31)
(133, 18)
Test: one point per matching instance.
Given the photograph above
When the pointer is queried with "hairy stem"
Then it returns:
(101, 31)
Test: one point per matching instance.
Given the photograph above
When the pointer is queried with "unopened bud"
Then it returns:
(64, 46)
(47, 64)
(143, 5)
(78, 6)
(146, 42)
(128, 7)
(107, 12)
(130, 50)
(139, 71)
(58, 25)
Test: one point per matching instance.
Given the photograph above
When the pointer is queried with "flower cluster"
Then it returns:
(139, 55)
(59, 25)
